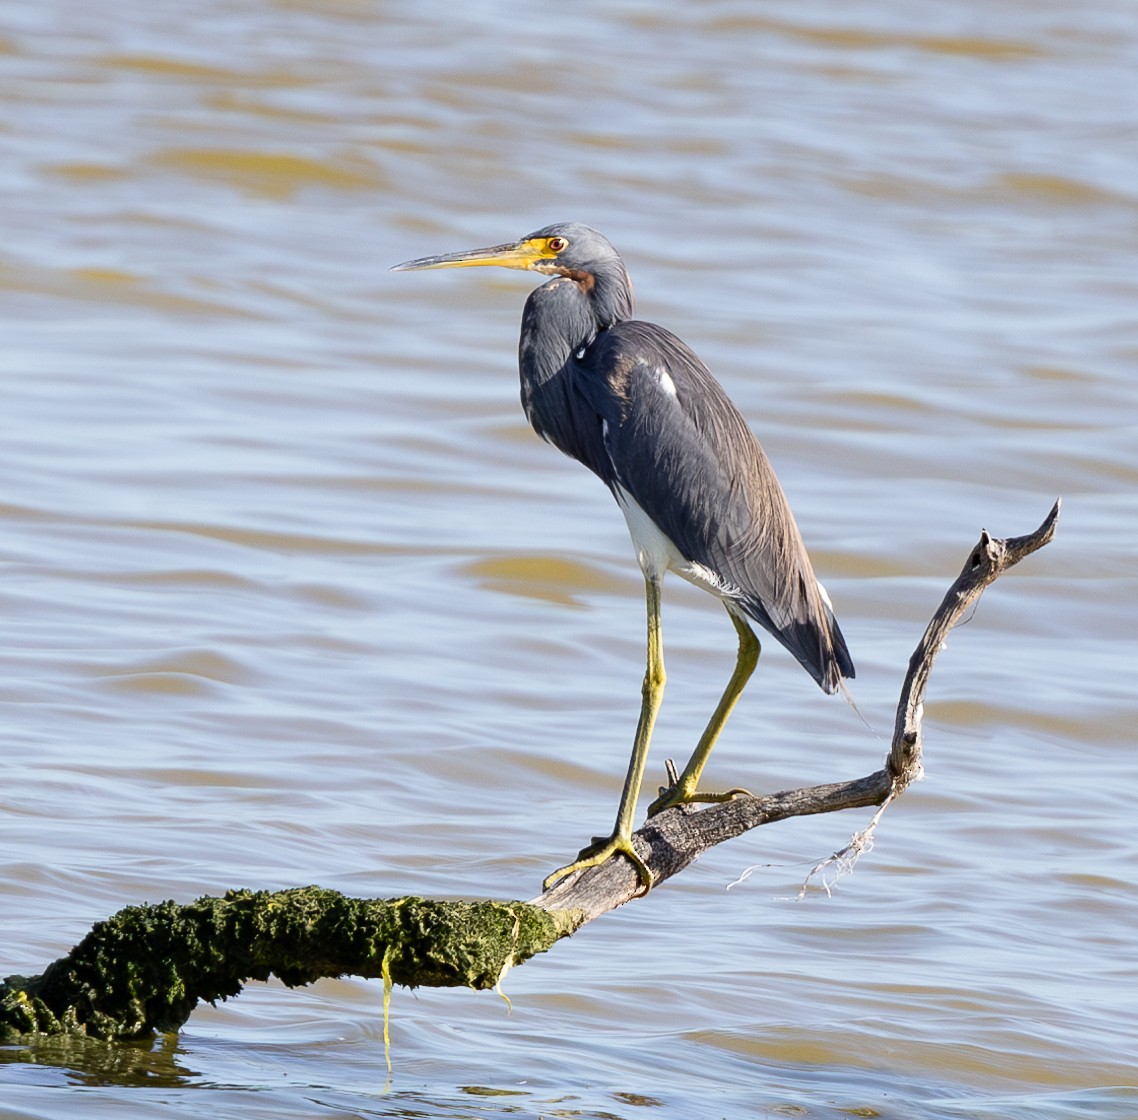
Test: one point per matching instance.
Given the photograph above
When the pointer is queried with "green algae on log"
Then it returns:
(146, 968)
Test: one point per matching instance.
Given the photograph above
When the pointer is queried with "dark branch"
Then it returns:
(669, 842)
(146, 968)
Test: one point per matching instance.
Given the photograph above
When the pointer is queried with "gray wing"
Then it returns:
(678, 446)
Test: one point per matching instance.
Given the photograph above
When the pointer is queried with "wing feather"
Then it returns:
(677, 445)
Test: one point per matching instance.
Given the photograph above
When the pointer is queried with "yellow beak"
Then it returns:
(521, 254)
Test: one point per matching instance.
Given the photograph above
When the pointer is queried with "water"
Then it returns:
(291, 594)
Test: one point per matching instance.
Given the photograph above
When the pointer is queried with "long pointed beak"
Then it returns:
(521, 254)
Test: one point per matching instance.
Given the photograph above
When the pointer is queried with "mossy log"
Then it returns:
(146, 968)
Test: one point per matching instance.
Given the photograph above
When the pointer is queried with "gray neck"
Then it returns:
(558, 321)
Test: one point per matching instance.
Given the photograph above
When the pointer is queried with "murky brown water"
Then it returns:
(291, 594)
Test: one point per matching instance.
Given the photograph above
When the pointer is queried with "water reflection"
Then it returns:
(90, 1063)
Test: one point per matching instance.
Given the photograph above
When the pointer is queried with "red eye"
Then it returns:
(557, 244)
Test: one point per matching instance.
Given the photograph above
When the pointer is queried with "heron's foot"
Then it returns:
(600, 851)
(685, 793)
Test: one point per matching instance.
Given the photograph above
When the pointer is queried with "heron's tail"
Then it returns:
(815, 640)
(839, 665)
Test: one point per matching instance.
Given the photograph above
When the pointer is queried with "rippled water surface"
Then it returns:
(289, 593)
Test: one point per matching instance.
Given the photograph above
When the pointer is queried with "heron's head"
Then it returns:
(567, 249)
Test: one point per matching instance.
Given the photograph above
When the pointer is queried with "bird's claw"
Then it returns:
(678, 794)
(600, 851)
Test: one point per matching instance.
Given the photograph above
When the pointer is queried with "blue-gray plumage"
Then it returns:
(632, 403)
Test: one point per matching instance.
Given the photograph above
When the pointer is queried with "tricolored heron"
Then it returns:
(632, 403)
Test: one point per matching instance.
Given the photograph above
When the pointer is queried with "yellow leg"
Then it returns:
(652, 692)
(686, 788)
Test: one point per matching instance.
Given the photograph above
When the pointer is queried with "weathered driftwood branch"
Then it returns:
(145, 968)
(669, 842)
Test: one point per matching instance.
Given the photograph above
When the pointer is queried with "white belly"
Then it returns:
(656, 554)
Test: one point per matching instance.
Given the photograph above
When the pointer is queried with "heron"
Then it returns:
(635, 405)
